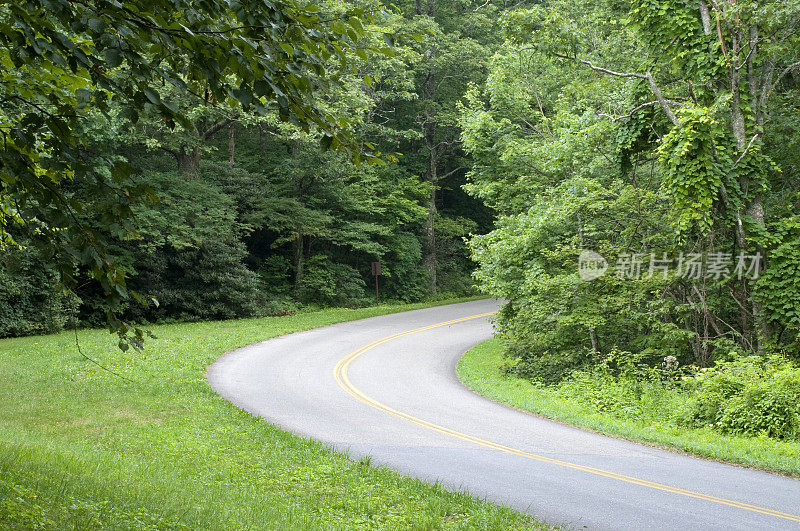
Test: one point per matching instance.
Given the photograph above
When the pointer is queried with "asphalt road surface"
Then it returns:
(386, 387)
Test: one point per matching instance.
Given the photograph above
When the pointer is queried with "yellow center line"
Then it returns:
(341, 376)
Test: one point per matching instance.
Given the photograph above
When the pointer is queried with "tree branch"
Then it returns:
(611, 72)
(214, 129)
(719, 34)
(632, 112)
(168, 150)
(783, 74)
(533, 128)
(747, 149)
(646, 76)
(451, 172)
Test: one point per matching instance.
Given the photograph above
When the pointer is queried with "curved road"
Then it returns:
(386, 387)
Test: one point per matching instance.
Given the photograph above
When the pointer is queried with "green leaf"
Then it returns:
(356, 25)
(97, 25)
(113, 57)
(152, 96)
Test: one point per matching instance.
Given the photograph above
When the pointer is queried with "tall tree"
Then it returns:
(459, 39)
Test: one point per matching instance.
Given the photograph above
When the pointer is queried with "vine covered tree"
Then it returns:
(644, 128)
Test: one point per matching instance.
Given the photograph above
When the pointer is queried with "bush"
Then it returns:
(546, 367)
(30, 300)
(331, 283)
(749, 396)
(624, 387)
(209, 282)
(190, 257)
(604, 392)
(403, 279)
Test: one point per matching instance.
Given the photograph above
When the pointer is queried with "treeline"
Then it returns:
(224, 212)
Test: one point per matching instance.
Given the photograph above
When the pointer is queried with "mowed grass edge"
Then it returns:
(83, 448)
(479, 369)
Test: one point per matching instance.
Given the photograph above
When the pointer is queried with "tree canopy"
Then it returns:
(651, 132)
(69, 64)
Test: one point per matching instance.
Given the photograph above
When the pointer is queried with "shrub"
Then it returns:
(191, 256)
(624, 387)
(331, 283)
(602, 391)
(546, 367)
(749, 396)
(30, 300)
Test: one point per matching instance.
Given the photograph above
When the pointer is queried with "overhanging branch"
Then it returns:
(216, 127)
(646, 76)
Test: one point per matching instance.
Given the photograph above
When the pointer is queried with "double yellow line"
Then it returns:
(340, 374)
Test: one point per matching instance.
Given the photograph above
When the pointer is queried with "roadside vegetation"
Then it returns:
(745, 411)
(83, 448)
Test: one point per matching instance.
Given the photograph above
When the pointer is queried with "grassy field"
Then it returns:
(479, 369)
(83, 448)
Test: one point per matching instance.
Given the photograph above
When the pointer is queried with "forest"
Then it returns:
(235, 211)
(623, 174)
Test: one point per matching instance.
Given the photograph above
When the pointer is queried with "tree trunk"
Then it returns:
(756, 207)
(737, 116)
(429, 249)
(753, 80)
(232, 144)
(705, 16)
(763, 328)
(429, 258)
(298, 259)
(188, 161)
(595, 341)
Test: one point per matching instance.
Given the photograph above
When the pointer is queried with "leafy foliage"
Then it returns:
(332, 284)
(692, 155)
(749, 396)
(29, 304)
(641, 130)
(64, 60)
(191, 255)
(779, 287)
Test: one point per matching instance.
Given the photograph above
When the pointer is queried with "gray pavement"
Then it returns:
(401, 403)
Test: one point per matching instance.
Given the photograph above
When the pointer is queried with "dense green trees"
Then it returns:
(176, 153)
(66, 64)
(650, 133)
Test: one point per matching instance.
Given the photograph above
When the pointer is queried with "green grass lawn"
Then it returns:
(479, 369)
(83, 448)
